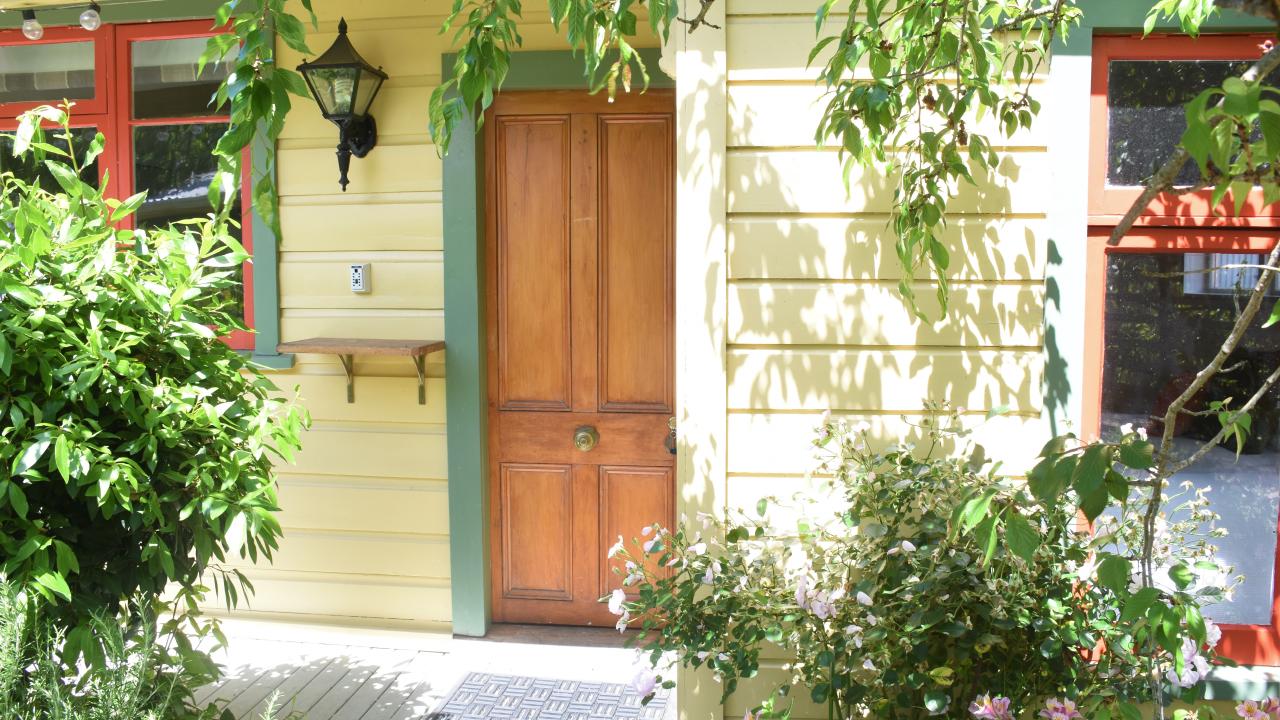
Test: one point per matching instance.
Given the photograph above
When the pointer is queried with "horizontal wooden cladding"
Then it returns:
(372, 451)
(772, 115)
(379, 399)
(364, 553)
(776, 47)
(363, 504)
(359, 222)
(810, 181)
(393, 110)
(882, 380)
(780, 313)
(792, 499)
(764, 443)
(861, 248)
(547, 437)
(422, 602)
(301, 323)
(402, 280)
(405, 168)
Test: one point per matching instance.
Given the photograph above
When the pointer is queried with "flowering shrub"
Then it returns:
(911, 584)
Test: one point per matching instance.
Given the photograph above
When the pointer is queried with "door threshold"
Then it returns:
(566, 635)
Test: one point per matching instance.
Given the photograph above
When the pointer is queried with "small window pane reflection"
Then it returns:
(46, 72)
(167, 80)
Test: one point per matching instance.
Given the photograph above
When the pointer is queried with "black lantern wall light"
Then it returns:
(344, 86)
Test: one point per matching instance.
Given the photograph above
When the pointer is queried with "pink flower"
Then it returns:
(989, 708)
(1266, 46)
(1268, 709)
(1055, 709)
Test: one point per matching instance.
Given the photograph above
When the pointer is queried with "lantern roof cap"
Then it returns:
(341, 53)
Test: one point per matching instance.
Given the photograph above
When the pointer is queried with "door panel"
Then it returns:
(580, 297)
(637, 309)
(630, 499)
(537, 535)
(534, 368)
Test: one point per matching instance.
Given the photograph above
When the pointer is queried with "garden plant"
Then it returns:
(136, 450)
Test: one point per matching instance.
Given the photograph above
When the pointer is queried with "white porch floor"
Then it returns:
(322, 673)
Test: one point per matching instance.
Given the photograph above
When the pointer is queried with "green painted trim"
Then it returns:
(1127, 16)
(559, 70)
(467, 406)
(464, 330)
(145, 11)
(266, 268)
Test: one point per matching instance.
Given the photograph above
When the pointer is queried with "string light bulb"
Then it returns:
(31, 27)
(91, 18)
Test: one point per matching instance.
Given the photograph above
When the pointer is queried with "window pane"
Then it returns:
(165, 79)
(47, 72)
(1145, 100)
(1158, 335)
(175, 164)
(27, 167)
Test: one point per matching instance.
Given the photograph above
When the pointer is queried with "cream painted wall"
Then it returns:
(814, 318)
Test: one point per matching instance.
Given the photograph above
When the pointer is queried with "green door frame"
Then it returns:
(464, 331)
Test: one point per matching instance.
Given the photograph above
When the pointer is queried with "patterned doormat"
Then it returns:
(482, 696)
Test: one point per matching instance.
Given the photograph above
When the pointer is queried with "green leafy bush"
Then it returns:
(136, 448)
(911, 585)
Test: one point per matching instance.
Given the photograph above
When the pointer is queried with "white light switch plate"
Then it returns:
(360, 278)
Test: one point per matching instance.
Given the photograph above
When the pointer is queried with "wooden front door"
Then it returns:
(581, 303)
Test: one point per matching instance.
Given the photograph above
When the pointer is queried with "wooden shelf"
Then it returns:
(347, 348)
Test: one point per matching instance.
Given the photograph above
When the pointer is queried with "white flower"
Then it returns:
(645, 682)
(868, 665)
(644, 532)
(1126, 429)
(864, 599)
(699, 549)
(908, 546)
(710, 575)
(617, 548)
(621, 625)
(1213, 632)
(651, 543)
(862, 426)
(1142, 433)
(616, 601)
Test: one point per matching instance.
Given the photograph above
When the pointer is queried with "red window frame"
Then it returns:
(111, 111)
(1107, 204)
(1172, 224)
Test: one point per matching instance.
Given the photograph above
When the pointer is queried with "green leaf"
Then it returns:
(31, 454)
(1138, 455)
(1138, 604)
(1091, 471)
(1114, 573)
(62, 457)
(1181, 575)
(986, 534)
(18, 499)
(1023, 539)
(936, 701)
(55, 583)
(973, 511)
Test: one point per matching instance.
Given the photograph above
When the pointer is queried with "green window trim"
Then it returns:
(464, 329)
(266, 265)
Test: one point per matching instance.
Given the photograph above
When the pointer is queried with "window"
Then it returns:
(139, 85)
(1139, 89)
(1165, 298)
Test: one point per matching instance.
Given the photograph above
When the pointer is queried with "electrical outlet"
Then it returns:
(360, 277)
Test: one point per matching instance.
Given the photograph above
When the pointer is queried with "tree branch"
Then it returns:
(1163, 179)
(1222, 434)
(1020, 20)
(701, 18)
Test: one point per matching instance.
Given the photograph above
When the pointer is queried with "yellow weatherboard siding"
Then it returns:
(814, 318)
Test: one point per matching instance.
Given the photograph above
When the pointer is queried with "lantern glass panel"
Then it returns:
(369, 83)
(334, 88)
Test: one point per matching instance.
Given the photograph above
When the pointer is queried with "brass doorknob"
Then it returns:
(585, 438)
